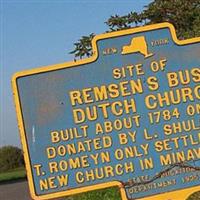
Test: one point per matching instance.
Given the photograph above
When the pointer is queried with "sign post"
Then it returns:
(129, 116)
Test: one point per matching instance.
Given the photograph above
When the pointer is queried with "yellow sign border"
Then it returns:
(175, 195)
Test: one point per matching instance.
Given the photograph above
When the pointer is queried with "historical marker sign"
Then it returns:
(127, 117)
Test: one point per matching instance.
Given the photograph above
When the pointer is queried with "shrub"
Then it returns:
(10, 158)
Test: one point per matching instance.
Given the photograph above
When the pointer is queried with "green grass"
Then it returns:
(104, 194)
(13, 175)
(112, 194)
(195, 196)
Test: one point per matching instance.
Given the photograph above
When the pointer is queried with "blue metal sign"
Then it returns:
(127, 117)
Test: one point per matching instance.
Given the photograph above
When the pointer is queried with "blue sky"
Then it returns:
(42, 32)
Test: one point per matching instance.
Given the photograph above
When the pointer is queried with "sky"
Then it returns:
(42, 32)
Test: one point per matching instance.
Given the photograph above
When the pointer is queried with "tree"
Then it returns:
(10, 158)
(183, 14)
(83, 46)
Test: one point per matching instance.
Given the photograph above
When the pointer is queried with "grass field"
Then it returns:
(106, 194)
(195, 196)
(13, 175)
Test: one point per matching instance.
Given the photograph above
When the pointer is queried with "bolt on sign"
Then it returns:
(129, 116)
